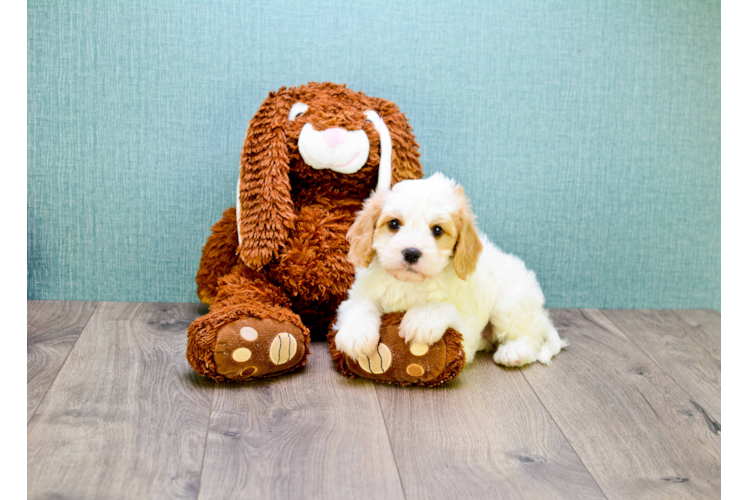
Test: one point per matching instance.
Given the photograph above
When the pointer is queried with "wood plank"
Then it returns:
(729, 465)
(484, 435)
(729, 372)
(633, 427)
(309, 434)
(52, 328)
(126, 417)
(685, 344)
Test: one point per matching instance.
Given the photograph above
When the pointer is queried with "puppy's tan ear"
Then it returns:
(361, 233)
(265, 208)
(468, 247)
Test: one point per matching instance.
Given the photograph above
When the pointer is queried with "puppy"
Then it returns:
(416, 249)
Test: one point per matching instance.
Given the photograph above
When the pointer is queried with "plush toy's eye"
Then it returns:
(297, 109)
(394, 224)
(437, 230)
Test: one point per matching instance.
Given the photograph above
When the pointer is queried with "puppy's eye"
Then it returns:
(437, 230)
(394, 224)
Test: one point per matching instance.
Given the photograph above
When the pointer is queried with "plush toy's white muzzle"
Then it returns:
(338, 149)
(345, 151)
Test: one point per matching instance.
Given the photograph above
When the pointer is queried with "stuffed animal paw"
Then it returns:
(396, 362)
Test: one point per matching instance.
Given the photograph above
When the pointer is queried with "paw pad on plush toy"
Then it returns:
(378, 362)
(415, 370)
(417, 349)
(283, 348)
(248, 333)
(241, 355)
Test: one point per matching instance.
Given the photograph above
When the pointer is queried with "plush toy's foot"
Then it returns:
(228, 347)
(251, 348)
(395, 362)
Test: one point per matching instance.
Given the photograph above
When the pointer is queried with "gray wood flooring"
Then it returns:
(630, 410)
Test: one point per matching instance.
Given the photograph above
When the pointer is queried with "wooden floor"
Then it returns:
(630, 410)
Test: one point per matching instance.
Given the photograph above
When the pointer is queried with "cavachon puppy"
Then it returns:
(416, 249)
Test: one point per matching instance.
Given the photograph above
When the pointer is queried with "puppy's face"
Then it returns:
(416, 230)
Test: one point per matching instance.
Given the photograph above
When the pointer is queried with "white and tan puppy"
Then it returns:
(416, 249)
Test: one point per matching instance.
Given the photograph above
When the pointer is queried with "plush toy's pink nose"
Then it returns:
(334, 137)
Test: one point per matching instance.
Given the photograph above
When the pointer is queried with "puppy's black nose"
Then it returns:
(411, 255)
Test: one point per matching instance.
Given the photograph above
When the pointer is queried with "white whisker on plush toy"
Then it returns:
(416, 249)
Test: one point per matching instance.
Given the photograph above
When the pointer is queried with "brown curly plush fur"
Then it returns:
(291, 264)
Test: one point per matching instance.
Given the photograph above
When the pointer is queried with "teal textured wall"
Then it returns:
(586, 132)
(729, 164)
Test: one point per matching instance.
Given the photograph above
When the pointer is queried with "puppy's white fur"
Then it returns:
(460, 279)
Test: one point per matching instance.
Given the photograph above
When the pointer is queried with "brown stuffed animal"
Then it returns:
(275, 268)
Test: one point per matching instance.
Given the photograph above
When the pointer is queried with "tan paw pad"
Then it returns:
(241, 355)
(283, 348)
(377, 363)
(415, 370)
(248, 333)
(417, 349)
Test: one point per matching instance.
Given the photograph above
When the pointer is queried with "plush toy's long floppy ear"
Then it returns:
(265, 213)
(405, 162)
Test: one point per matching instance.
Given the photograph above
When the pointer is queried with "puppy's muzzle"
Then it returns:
(411, 255)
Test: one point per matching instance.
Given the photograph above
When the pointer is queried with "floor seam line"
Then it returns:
(207, 434)
(389, 441)
(30, 418)
(564, 435)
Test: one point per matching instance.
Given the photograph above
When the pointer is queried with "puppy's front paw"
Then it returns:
(515, 353)
(358, 340)
(423, 325)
